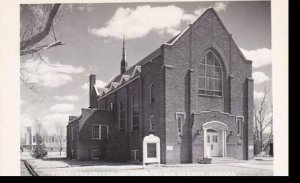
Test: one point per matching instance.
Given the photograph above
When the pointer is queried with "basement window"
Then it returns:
(95, 154)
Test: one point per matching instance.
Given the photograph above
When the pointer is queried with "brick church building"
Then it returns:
(195, 92)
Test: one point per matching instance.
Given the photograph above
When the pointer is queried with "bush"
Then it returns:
(39, 151)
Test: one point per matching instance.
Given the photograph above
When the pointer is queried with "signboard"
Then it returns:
(151, 149)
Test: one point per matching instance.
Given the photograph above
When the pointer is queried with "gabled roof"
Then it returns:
(134, 70)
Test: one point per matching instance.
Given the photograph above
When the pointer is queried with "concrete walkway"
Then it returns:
(60, 166)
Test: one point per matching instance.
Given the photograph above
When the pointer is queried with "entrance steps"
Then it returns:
(220, 160)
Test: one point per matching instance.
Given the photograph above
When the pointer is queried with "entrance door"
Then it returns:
(212, 143)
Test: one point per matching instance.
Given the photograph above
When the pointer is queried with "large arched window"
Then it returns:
(134, 112)
(209, 75)
(122, 112)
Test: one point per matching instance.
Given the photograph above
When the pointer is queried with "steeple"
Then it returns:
(123, 61)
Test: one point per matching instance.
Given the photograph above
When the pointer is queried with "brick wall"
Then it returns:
(184, 55)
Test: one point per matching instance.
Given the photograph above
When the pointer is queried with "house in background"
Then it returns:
(195, 92)
(50, 141)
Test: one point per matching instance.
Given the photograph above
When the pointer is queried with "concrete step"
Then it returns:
(217, 160)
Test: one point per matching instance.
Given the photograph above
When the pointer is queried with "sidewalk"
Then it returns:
(62, 166)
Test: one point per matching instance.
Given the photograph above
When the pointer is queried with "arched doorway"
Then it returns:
(214, 139)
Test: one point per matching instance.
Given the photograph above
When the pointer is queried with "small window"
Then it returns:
(152, 123)
(134, 154)
(95, 154)
(179, 121)
(104, 132)
(151, 93)
(208, 138)
(111, 106)
(180, 117)
(240, 126)
(96, 131)
(100, 132)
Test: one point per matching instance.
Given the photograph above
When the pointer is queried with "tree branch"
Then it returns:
(40, 36)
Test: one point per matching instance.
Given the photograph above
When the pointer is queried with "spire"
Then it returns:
(123, 61)
(123, 51)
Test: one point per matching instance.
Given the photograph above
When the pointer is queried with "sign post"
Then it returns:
(151, 149)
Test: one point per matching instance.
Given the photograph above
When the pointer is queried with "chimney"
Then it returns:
(92, 94)
(123, 61)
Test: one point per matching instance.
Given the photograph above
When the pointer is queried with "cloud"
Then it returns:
(71, 98)
(260, 57)
(56, 117)
(140, 21)
(62, 108)
(260, 77)
(49, 74)
(26, 120)
(220, 6)
(50, 120)
(99, 83)
(86, 7)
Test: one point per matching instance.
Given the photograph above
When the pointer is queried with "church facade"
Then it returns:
(195, 92)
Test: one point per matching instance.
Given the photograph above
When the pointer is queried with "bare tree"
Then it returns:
(59, 135)
(37, 33)
(263, 120)
(36, 24)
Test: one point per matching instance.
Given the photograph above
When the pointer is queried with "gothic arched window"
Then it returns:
(134, 112)
(209, 74)
(122, 114)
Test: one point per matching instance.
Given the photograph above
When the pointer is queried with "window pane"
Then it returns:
(210, 93)
(217, 62)
(209, 71)
(203, 60)
(201, 82)
(135, 123)
(95, 131)
(210, 58)
(201, 70)
(104, 130)
(209, 83)
(208, 139)
(217, 72)
(200, 91)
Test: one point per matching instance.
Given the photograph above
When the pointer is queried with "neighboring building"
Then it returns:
(26, 137)
(195, 92)
(50, 141)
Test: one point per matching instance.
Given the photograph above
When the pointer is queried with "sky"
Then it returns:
(93, 36)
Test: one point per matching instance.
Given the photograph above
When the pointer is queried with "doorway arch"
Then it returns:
(214, 138)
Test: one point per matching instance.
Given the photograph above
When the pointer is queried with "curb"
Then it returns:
(30, 169)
